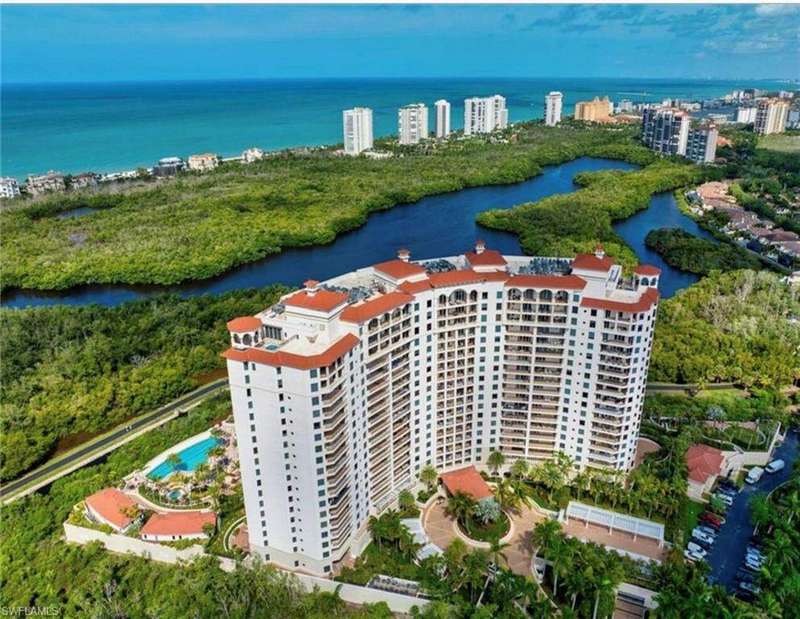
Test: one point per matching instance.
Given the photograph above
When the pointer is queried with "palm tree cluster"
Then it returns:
(584, 575)
(389, 533)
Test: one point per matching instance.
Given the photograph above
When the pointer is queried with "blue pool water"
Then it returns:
(191, 457)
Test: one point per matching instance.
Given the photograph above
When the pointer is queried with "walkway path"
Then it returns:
(439, 527)
(106, 443)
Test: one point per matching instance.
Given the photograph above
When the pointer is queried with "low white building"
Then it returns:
(40, 184)
(252, 154)
(174, 526)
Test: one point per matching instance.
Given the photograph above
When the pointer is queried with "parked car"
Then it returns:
(728, 500)
(727, 483)
(754, 474)
(694, 556)
(753, 564)
(752, 550)
(775, 466)
(702, 536)
(691, 546)
(749, 587)
(712, 518)
(727, 492)
(745, 575)
(706, 529)
(710, 525)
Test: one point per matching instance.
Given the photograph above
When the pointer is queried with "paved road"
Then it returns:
(99, 447)
(727, 554)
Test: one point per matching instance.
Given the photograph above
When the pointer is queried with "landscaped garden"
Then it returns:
(481, 520)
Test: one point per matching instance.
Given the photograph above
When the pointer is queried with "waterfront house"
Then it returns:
(252, 154)
(83, 180)
(203, 162)
(168, 166)
(37, 185)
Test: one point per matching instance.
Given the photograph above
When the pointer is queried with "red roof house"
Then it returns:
(703, 462)
(112, 507)
(177, 525)
(468, 481)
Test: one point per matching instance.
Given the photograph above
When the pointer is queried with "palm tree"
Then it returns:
(428, 476)
(506, 494)
(791, 502)
(406, 500)
(519, 469)
(495, 461)
(460, 506)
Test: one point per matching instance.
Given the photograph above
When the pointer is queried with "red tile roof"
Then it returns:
(375, 307)
(244, 323)
(590, 262)
(456, 278)
(321, 301)
(178, 523)
(647, 269)
(301, 362)
(110, 504)
(564, 282)
(648, 299)
(488, 257)
(703, 462)
(414, 287)
(468, 481)
(399, 269)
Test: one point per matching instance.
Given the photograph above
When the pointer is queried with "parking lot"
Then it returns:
(728, 552)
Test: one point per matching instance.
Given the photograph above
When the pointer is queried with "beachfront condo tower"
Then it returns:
(412, 123)
(442, 118)
(771, 116)
(342, 391)
(357, 125)
(485, 114)
(552, 108)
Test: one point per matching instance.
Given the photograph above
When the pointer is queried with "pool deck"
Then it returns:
(162, 457)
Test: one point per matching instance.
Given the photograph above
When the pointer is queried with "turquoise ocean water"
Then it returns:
(118, 126)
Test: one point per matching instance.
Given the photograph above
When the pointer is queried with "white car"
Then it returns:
(754, 474)
(728, 500)
(707, 530)
(695, 549)
(756, 564)
(775, 466)
(693, 556)
(702, 536)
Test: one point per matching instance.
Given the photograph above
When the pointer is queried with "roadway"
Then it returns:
(728, 552)
(86, 453)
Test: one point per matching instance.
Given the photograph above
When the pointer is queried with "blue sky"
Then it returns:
(113, 43)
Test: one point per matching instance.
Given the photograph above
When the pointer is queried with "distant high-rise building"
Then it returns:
(596, 110)
(485, 114)
(625, 106)
(552, 108)
(701, 143)
(665, 130)
(412, 123)
(357, 130)
(746, 115)
(442, 118)
(771, 116)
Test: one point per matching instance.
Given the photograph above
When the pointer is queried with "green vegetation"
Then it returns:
(197, 226)
(39, 569)
(695, 255)
(69, 370)
(563, 225)
(736, 327)
(781, 142)
(691, 516)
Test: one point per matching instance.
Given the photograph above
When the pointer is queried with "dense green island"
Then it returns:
(689, 253)
(197, 226)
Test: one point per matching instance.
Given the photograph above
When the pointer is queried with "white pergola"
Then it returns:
(591, 514)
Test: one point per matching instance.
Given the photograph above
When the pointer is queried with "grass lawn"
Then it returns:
(693, 511)
(780, 142)
(486, 533)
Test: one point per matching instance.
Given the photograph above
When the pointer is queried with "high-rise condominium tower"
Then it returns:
(412, 123)
(357, 125)
(665, 130)
(771, 116)
(552, 111)
(442, 118)
(345, 389)
(485, 114)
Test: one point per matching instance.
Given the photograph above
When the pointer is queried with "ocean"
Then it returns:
(105, 127)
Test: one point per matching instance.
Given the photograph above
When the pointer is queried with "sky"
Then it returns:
(86, 43)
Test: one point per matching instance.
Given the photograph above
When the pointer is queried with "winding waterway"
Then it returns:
(442, 225)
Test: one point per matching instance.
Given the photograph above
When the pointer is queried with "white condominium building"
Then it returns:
(357, 126)
(412, 123)
(746, 115)
(442, 118)
(552, 108)
(9, 187)
(485, 114)
(771, 116)
(345, 389)
(665, 130)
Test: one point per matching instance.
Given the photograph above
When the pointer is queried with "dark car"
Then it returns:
(710, 518)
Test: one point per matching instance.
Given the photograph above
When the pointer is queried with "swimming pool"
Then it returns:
(190, 458)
